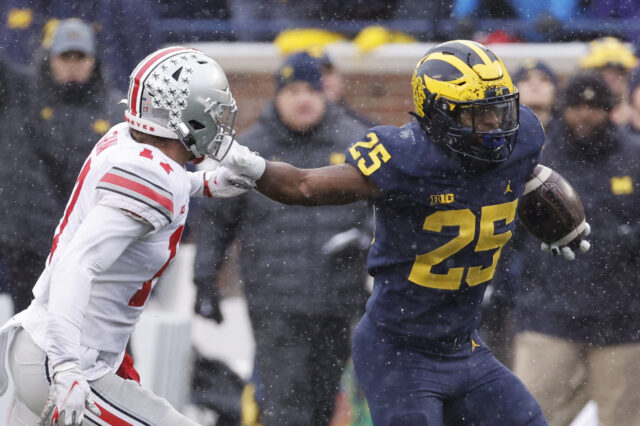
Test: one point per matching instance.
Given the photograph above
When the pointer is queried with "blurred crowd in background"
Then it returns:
(61, 78)
(126, 30)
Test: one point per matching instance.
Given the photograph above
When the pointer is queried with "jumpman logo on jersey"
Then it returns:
(508, 188)
(474, 345)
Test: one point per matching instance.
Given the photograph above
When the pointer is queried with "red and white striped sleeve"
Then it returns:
(143, 194)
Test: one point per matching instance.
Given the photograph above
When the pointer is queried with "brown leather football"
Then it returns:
(551, 210)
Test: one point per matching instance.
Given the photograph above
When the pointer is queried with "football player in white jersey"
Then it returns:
(121, 228)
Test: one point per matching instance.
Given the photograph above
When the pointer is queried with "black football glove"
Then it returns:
(208, 300)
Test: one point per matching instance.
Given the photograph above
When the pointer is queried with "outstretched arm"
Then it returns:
(339, 184)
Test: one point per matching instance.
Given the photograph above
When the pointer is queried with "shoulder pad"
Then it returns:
(138, 182)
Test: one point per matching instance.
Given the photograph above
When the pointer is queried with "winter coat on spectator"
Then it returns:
(64, 123)
(592, 299)
(283, 263)
(47, 134)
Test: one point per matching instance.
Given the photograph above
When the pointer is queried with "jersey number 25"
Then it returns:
(465, 220)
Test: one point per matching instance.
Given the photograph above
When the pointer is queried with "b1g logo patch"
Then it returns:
(442, 199)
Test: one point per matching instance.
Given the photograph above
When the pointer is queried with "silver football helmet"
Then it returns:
(181, 93)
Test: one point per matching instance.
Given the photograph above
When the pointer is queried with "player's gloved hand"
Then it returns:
(207, 300)
(244, 162)
(69, 395)
(225, 183)
(568, 250)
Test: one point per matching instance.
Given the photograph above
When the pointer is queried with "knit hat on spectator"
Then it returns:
(530, 65)
(73, 35)
(634, 80)
(300, 67)
(588, 88)
(609, 51)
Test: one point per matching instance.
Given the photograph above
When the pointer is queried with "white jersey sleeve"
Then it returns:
(139, 190)
(101, 238)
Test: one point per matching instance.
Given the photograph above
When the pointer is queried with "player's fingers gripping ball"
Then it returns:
(552, 211)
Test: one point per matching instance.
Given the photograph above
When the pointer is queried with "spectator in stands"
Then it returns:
(537, 85)
(333, 86)
(126, 30)
(303, 271)
(579, 324)
(614, 60)
(71, 84)
(68, 105)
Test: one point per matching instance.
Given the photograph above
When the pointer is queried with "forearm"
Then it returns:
(68, 299)
(311, 187)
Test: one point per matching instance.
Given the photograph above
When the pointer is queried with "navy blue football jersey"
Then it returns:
(439, 231)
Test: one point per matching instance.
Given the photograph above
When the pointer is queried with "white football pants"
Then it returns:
(121, 402)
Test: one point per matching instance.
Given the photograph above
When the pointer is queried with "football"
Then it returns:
(551, 210)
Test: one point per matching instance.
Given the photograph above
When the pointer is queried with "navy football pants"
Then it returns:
(407, 385)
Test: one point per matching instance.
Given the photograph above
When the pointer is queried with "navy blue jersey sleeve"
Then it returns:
(377, 155)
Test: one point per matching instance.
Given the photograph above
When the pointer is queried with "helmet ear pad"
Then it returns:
(437, 120)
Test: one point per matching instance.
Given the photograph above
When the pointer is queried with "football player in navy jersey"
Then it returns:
(445, 188)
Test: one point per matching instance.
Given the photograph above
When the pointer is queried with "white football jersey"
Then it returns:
(144, 182)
